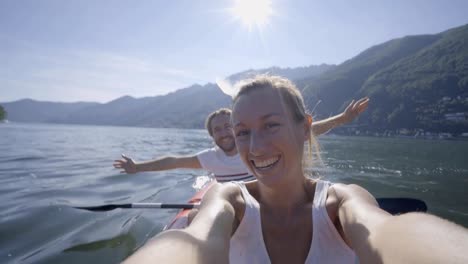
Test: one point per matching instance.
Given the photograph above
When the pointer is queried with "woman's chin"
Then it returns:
(271, 180)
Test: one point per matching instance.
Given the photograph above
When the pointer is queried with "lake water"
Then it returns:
(46, 168)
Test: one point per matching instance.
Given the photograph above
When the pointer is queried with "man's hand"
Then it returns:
(126, 164)
(350, 113)
(354, 109)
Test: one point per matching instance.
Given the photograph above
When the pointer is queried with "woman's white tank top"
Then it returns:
(247, 245)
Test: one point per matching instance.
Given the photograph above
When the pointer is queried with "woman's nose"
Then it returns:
(257, 144)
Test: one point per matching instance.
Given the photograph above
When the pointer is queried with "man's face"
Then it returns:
(222, 134)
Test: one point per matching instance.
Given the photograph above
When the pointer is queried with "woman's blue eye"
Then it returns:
(271, 125)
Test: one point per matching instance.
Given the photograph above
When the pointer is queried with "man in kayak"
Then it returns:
(285, 216)
(223, 160)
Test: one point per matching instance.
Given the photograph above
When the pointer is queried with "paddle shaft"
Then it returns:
(391, 205)
(109, 207)
(163, 205)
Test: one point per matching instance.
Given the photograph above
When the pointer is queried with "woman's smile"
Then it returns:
(265, 164)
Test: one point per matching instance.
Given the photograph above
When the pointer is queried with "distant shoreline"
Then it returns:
(431, 136)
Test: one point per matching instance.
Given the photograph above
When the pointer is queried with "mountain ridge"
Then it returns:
(416, 83)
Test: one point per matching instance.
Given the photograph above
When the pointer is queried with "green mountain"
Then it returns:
(415, 82)
(184, 108)
(344, 81)
(425, 89)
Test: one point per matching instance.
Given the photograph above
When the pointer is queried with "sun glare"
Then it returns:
(252, 12)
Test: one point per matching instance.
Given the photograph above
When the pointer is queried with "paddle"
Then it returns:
(110, 207)
(391, 205)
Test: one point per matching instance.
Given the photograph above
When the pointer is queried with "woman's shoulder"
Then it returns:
(229, 191)
(344, 192)
(232, 193)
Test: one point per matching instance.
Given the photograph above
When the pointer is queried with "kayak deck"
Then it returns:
(393, 206)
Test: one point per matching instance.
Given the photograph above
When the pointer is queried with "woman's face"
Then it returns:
(269, 141)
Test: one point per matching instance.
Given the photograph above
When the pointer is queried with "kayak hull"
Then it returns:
(180, 221)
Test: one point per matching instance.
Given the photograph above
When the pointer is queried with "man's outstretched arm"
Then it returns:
(128, 165)
(354, 109)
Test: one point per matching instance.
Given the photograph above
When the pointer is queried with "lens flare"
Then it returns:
(252, 12)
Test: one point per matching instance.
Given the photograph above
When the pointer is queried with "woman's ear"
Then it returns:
(309, 119)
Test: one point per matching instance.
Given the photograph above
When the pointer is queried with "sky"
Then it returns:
(99, 50)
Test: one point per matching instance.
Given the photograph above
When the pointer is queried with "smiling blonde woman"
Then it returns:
(286, 217)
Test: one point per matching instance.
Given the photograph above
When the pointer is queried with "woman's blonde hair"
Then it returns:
(291, 98)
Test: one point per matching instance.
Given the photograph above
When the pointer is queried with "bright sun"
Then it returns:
(252, 12)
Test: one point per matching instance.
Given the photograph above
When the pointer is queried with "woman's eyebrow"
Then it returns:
(262, 118)
(269, 115)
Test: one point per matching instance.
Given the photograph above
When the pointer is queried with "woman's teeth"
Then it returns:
(263, 164)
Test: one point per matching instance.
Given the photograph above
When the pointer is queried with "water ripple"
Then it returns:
(50, 168)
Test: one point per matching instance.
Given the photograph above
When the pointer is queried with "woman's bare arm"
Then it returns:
(206, 240)
(378, 237)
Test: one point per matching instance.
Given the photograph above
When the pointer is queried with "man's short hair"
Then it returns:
(221, 111)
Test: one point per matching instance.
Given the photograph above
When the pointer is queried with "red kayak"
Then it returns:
(181, 219)
(393, 206)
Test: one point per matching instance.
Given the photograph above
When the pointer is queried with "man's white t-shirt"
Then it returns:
(225, 168)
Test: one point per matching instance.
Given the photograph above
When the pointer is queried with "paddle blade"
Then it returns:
(401, 205)
(103, 208)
